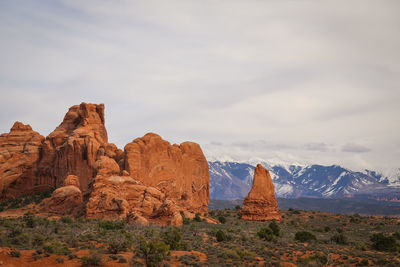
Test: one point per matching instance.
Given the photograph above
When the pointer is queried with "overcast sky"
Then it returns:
(298, 81)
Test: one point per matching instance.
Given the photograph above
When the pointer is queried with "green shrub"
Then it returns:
(339, 239)
(237, 207)
(66, 220)
(15, 253)
(315, 260)
(119, 242)
(383, 243)
(197, 217)
(396, 235)
(60, 260)
(221, 219)
(276, 230)
(266, 233)
(112, 225)
(184, 219)
(29, 219)
(172, 237)
(220, 235)
(304, 236)
(152, 251)
(56, 248)
(122, 260)
(94, 259)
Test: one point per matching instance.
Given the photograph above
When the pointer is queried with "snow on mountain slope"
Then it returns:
(232, 180)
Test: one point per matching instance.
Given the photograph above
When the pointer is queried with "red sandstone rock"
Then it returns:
(19, 155)
(73, 146)
(72, 180)
(122, 197)
(179, 171)
(64, 200)
(151, 181)
(260, 204)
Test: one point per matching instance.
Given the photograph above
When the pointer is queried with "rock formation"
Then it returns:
(151, 181)
(73, 146)
(260, 204)
(179, 171)
(19, 156)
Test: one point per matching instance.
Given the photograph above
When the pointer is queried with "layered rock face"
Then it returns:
(260, 204)
(179, 171)
(19, 156)
(72, 148)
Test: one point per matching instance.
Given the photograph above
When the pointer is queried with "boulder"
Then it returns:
(19, 156)
(122, 197)
(66, 200)
(260, 204)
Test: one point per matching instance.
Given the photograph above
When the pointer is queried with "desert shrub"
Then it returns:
(189, 260)
(122, 260)
(152, 251)
(60, 260)
(184, 219)
(304, 236)
(119, 242)
(172, 237)
(197, 217)
(29, 219)
(383, 243)
(339, 239)
(56, 248)
(237, 207)
(66, 219)
(314, 260)
(15, 253)
(37, 240)
(220, 235)
(94, 259)
(276, 230)
(266, 233)
(396, 235)
(221, 219)
(363, 262)
(112, 225)
(327, 229)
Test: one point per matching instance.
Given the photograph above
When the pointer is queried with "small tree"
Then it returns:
(221, 219)
(197, 217)
(266, 233)
(384, 243)
(220, 235)
(172, 237)
(304, 236)
(153, 251)
(275, 228)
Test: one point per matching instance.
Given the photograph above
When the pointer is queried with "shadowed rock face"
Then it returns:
(19, 156)
(260, 204)
(151, 181)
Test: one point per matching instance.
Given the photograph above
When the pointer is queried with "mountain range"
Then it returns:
(232, 180)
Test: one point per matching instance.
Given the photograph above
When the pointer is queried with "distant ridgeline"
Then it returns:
(362, 206)
(232, 180)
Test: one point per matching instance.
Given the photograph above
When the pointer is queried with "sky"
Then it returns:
(293, 81)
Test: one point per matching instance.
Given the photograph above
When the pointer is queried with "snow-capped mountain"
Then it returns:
(232, 180)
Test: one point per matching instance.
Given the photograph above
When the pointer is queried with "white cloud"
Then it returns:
(283, 79)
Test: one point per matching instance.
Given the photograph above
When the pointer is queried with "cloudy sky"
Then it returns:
(297, 81)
